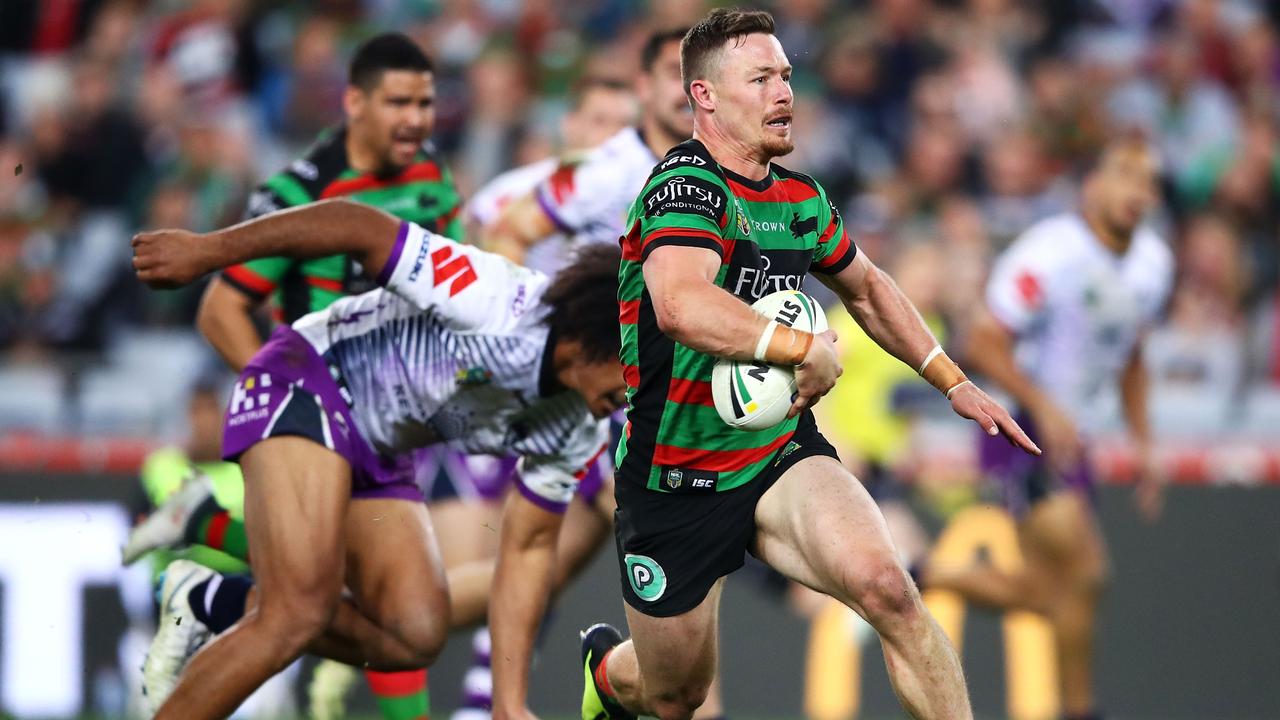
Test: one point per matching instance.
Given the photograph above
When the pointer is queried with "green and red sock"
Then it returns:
(400, 695)
(218, 530)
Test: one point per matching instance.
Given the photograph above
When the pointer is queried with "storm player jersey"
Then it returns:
(586, 197)
(423, 192)
(768, 234)
(1077, 308)
(454, 350)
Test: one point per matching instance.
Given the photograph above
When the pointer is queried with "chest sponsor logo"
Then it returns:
(305, 169)
(685, 195)
(755, 283)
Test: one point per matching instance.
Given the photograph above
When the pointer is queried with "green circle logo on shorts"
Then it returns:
(646, 576)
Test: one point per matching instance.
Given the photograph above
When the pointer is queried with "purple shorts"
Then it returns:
(288, 389)
(444, 474)
(1026, 479)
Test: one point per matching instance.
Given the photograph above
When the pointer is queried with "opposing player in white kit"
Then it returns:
(462, 347)
(585, 198)
(1067, 307)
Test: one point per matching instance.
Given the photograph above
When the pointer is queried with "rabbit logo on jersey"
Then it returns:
(646, 576)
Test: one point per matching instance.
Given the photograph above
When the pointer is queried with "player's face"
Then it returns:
(1128, 188)
(600, 384)
(395, 117)
(601, 114)
(662, 93)
(753, 99)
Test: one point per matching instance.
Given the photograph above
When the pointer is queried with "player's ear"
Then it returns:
(353, 101)
(703, 94)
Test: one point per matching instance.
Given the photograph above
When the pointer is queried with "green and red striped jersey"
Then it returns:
(422, 193)
(769, 234)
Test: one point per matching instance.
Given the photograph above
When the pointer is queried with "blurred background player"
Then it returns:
(1068, 306)
(199, 460)
(380, 155)
(585, 197)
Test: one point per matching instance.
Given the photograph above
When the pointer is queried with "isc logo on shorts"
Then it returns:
(646, 577)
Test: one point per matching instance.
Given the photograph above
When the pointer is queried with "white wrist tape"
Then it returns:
(762, 346)
(957, 387)
(935, 352)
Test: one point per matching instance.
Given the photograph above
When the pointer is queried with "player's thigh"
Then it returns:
(467, 529)
(677, 654)
(1062, 532)
(818, 526)
(394, 568)
(582, 534)
(296, 495)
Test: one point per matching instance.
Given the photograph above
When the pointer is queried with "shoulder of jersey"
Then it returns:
(323, 161)
(1154, 249)
(798, 176)
(688, 154)
(1055, 236)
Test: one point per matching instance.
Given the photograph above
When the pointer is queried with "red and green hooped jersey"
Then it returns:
(421, 193)
(768, 234)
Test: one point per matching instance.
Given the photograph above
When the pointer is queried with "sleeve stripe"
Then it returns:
(839, 258)
(829, 232)
(384, 275)
(681, 233)
(551, 213)
(247, 281)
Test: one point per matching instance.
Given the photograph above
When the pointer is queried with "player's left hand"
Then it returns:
(1148, 495)
(969, 401)
(169, 258)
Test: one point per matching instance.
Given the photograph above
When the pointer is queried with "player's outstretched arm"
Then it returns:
(879, 306)
(522, 587)
(171, 258)
(521, 225)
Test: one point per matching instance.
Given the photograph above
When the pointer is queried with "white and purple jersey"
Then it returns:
(454, 350)
(1077, 308)
(587, 197)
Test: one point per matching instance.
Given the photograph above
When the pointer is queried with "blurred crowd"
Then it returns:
(944, 126)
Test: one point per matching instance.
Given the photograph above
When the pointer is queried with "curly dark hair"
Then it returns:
(584, 302)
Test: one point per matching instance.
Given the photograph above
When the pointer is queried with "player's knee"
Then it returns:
(886, 594)
(424, 637)
(679, 704)
(298, 617)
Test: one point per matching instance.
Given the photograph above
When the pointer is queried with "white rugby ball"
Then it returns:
(757, 395)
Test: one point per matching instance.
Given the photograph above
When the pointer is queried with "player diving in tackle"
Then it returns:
(717, 227)
(460, 347)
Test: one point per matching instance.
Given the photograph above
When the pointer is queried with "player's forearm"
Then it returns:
(522, 587)
(1133, 399)
(708, 319)
(890, 319)
(224, 320)
(330, 227)
(990, 352)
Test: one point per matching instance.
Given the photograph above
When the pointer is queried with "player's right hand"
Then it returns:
(817, 374)
(169, 258)
(1057, 434)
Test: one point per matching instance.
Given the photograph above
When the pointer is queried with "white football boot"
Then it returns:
(331, 683)
(179, 635)
(167, 526)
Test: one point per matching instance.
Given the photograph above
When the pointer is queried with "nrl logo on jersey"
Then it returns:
(472, 376)
(744, 226)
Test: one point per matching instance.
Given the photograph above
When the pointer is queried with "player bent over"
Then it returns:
(717, 227)
(461, 347)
